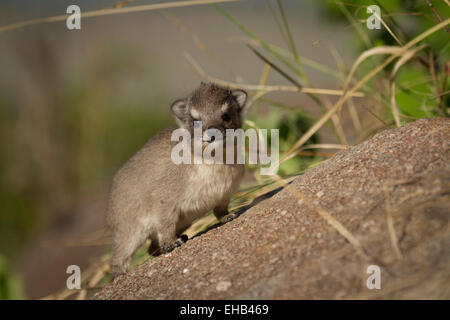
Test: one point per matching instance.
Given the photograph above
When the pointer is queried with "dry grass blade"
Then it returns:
(436, 13)
(262, 82)
(366, 54)
(408, 55)
(325, 215)
(387, 28)
(205, 76)
(325, 146)
(435, 80)
(254, 99)
(351, 106)
(354, 116)
(98, 276)
(390, 223)
(336, 119)
(105, 12)
(386, 190)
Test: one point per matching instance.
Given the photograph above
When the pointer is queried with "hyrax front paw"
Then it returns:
(228, 217)
(180, 241)
(176, 243)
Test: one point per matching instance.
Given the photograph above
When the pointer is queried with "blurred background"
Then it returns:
(76, 104)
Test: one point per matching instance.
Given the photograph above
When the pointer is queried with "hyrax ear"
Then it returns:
(179, 109)
(241, 97)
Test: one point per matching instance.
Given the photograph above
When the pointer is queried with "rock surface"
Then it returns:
(284, 249)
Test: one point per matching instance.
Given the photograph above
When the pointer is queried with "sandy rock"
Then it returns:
(283, 248)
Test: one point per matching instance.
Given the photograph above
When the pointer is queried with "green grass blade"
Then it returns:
(280, 28)
(291, 42)
(275, 67)
(261, 42)
(365, 38)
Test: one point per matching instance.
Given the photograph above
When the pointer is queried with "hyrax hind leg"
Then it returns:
(125, 244)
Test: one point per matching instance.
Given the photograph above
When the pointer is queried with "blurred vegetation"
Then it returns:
(10, 283)
(67, 144)
(418, 82)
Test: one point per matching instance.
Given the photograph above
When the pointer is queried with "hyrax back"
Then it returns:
(152, 197)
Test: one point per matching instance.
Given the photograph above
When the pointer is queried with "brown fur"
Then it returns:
(151, 197)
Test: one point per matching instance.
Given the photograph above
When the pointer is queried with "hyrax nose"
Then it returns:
(211, 135)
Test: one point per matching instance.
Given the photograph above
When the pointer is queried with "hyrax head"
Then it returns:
(215, 106)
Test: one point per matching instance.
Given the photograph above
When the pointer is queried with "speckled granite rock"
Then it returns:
(280, 249)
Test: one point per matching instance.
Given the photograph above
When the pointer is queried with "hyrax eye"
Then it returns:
(226, 117)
